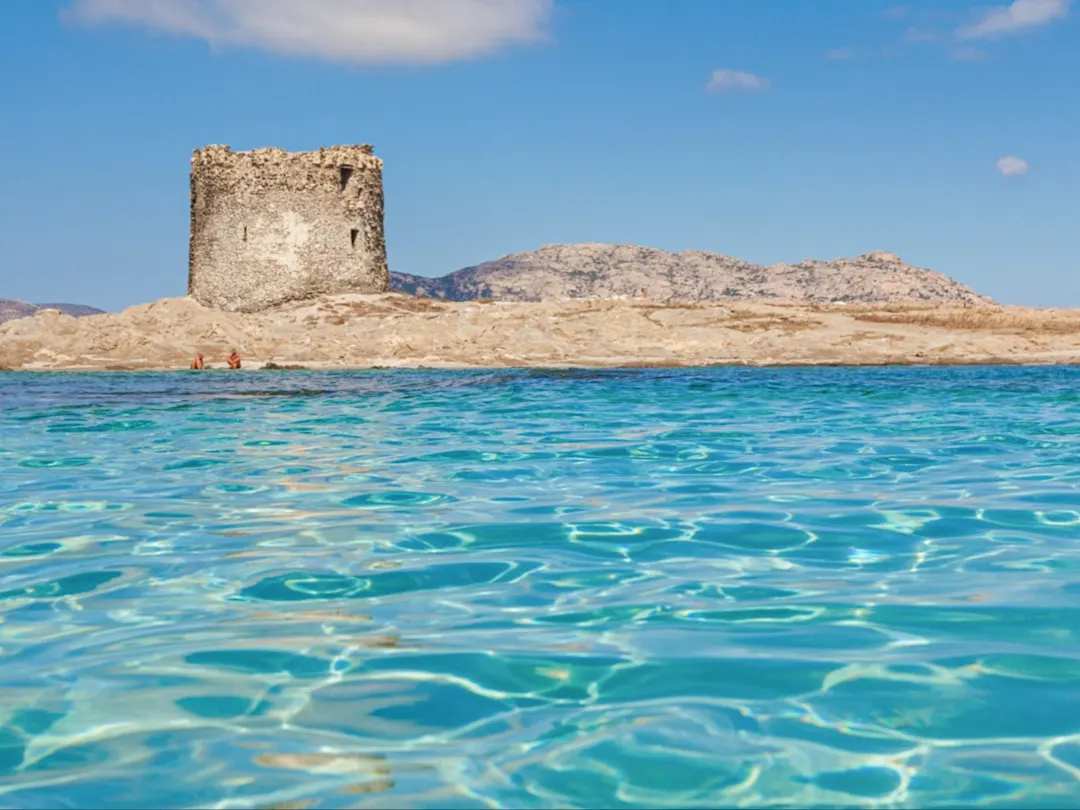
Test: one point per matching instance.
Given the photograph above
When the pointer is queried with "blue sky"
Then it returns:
(770, 130)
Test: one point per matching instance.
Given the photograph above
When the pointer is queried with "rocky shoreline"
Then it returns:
(392, 330)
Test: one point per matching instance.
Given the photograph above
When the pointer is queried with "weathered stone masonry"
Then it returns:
(269, 226)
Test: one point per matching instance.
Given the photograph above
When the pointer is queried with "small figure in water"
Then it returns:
(234, 359)
(197, 363)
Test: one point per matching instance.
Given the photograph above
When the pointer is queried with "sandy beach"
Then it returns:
(395, 330)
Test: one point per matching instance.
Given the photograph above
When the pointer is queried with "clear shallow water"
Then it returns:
(725, 587)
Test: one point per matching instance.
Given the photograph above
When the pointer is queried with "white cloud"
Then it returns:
(1010, 166)
(1020, 15)
(725, 81)
(840, 54)
(359, 31)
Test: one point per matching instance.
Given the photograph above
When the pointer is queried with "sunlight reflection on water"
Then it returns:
(681, 588)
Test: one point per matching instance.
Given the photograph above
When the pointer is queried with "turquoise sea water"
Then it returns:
(721, 587)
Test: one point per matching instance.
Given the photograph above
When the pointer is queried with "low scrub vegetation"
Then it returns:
(990, 319)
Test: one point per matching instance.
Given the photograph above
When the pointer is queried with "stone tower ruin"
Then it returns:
(269, 226)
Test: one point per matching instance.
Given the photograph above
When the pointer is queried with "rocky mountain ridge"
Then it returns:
(592, 270)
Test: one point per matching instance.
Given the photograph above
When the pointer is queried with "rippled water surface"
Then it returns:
(722, 587)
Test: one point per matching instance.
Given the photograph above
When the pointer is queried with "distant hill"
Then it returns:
(592, 270)
(11, 309)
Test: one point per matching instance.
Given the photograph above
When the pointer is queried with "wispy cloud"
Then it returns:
(357, 31)
(1011, 166)
(1014, 18)
(840, 54)
(953, 30)
(728, 81)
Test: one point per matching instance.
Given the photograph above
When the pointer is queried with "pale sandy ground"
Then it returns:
(393, 330)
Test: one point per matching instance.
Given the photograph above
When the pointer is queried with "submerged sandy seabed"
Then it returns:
(394, 330)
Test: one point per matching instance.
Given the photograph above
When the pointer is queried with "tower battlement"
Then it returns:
(270, 226)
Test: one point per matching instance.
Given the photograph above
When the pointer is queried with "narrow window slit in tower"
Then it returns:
(346, 173)
(245, 233)
(352, 236)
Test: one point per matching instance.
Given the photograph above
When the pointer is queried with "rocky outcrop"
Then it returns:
(393, 330)
(559, 272)
(11, 309)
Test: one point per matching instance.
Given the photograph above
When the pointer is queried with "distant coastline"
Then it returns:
(10, 309)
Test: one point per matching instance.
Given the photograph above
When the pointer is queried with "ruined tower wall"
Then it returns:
(269, 226)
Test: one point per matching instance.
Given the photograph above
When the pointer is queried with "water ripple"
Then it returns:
(567, 588)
